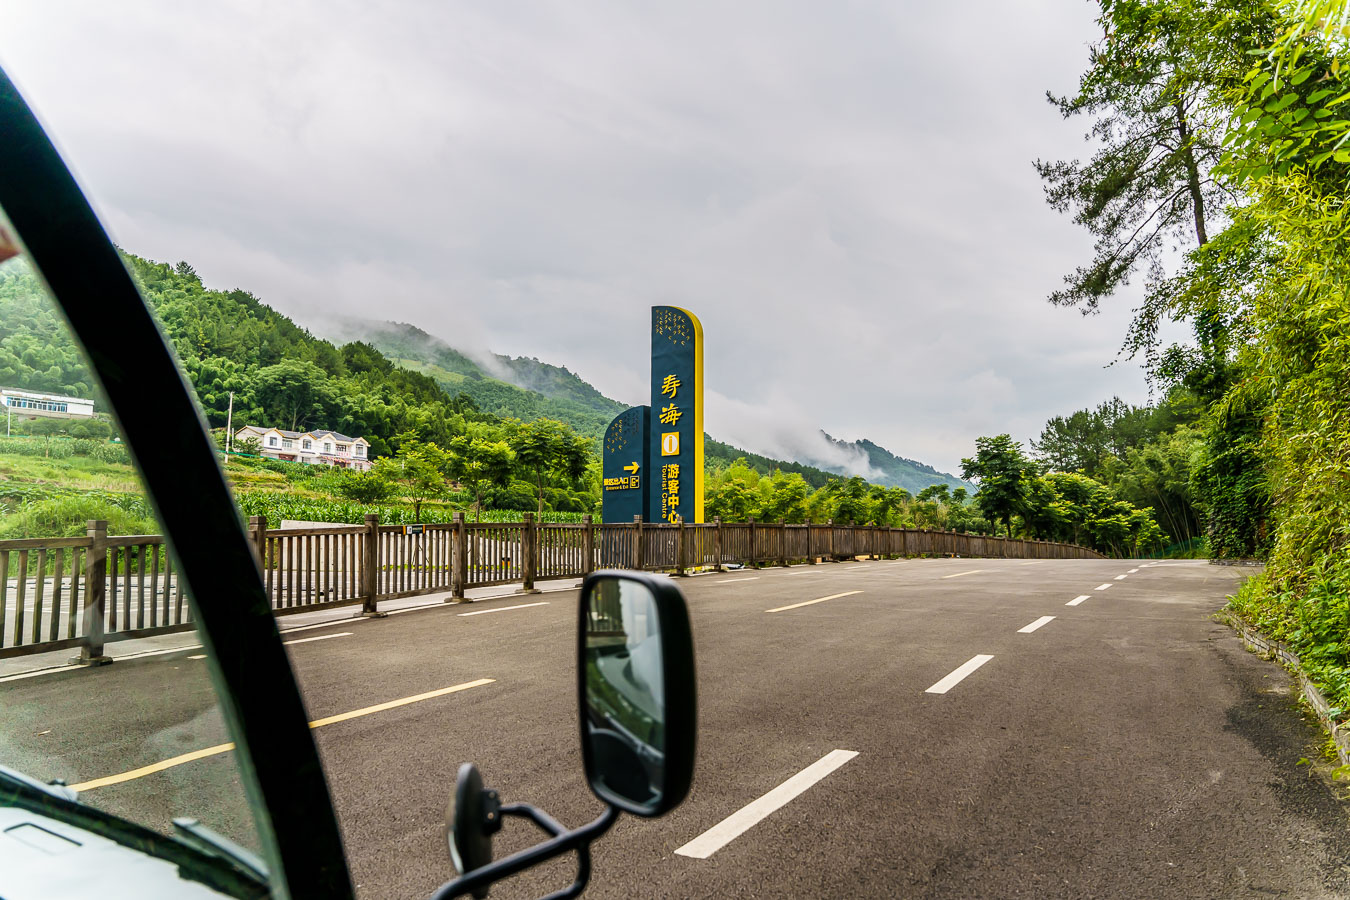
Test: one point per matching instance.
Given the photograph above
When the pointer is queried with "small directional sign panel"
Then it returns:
(623, 466)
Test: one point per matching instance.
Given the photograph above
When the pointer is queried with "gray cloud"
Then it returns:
(843, 192)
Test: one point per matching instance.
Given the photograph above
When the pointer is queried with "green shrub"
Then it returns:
(363, 487)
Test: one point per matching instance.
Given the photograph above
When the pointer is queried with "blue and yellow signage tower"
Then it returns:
(675, 479)
(624, 469)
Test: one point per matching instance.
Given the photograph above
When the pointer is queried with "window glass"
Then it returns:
(133, 725)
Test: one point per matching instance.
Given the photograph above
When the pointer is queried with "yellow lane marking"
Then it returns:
(392, 704)
(317, 723)
(809, 602)
(153, 768)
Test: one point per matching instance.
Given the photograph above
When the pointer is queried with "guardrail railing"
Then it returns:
(83, 592)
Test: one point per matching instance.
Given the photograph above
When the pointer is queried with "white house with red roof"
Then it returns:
(329, 448)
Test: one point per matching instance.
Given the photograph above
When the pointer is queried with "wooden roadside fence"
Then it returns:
(59, 593)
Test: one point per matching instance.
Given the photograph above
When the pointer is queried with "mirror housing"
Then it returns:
(657, 764)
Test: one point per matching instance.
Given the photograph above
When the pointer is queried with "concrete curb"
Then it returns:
(1340, 734)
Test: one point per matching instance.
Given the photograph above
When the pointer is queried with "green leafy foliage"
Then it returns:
(1268, 467)
(1060, 506)
(1002, 471)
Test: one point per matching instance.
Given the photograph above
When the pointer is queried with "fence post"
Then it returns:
(588, 551)
(717, 537)
(679, 547)
(830, 524)
(95, 595)
(529, 551)
(459, 558)
(637, 542)
(810, 546)
(782, 543)
(370, 569)
(257, 536)
(753, 557)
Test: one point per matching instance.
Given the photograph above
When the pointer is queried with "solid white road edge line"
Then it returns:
(483, 612)
(1077, 600)
(959, 675)
(747, 817)
(1102, 587)
(959, 574)
(1028, 629)
(809, 602)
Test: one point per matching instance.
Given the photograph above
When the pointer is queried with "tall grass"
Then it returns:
(277, 506)
(68, 516)
(64, 448)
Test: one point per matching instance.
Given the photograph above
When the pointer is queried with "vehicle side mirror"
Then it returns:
(639, 716)
(637, 694)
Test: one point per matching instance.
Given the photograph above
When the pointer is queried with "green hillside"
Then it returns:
(534, 389)
(530, 388)
(397, 379)
(896, 471)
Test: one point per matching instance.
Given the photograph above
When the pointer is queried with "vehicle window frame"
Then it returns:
(72, 255)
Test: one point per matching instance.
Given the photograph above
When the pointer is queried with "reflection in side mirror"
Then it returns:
(635, 661)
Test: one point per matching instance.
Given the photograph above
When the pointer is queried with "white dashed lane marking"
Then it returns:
(1077, 600)
(747, 817)
(1102, 587)
(1121, 577)
(483, 612)
(742, 578)
(959, 675)
(322, 637)
(1028, 629)
(959, 574)
(809, 602)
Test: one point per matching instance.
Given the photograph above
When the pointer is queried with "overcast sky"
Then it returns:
(843, 192)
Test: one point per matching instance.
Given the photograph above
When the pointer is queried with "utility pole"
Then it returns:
(229, 424)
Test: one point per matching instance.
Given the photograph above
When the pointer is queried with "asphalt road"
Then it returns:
(1129, 747)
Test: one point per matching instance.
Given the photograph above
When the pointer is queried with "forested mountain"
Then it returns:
(525, 388)
(896, 471)
(35, 352)
(396, 379)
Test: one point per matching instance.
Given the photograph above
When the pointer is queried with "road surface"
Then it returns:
(911, 728)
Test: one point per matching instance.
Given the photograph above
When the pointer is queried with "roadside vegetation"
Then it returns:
(1220, 173)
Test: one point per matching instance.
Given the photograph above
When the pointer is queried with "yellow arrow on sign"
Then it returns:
(631, 467)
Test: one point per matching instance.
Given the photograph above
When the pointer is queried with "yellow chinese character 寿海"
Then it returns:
(670, 386)
(670, 414)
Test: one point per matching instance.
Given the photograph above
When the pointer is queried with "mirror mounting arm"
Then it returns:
(562, 842)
